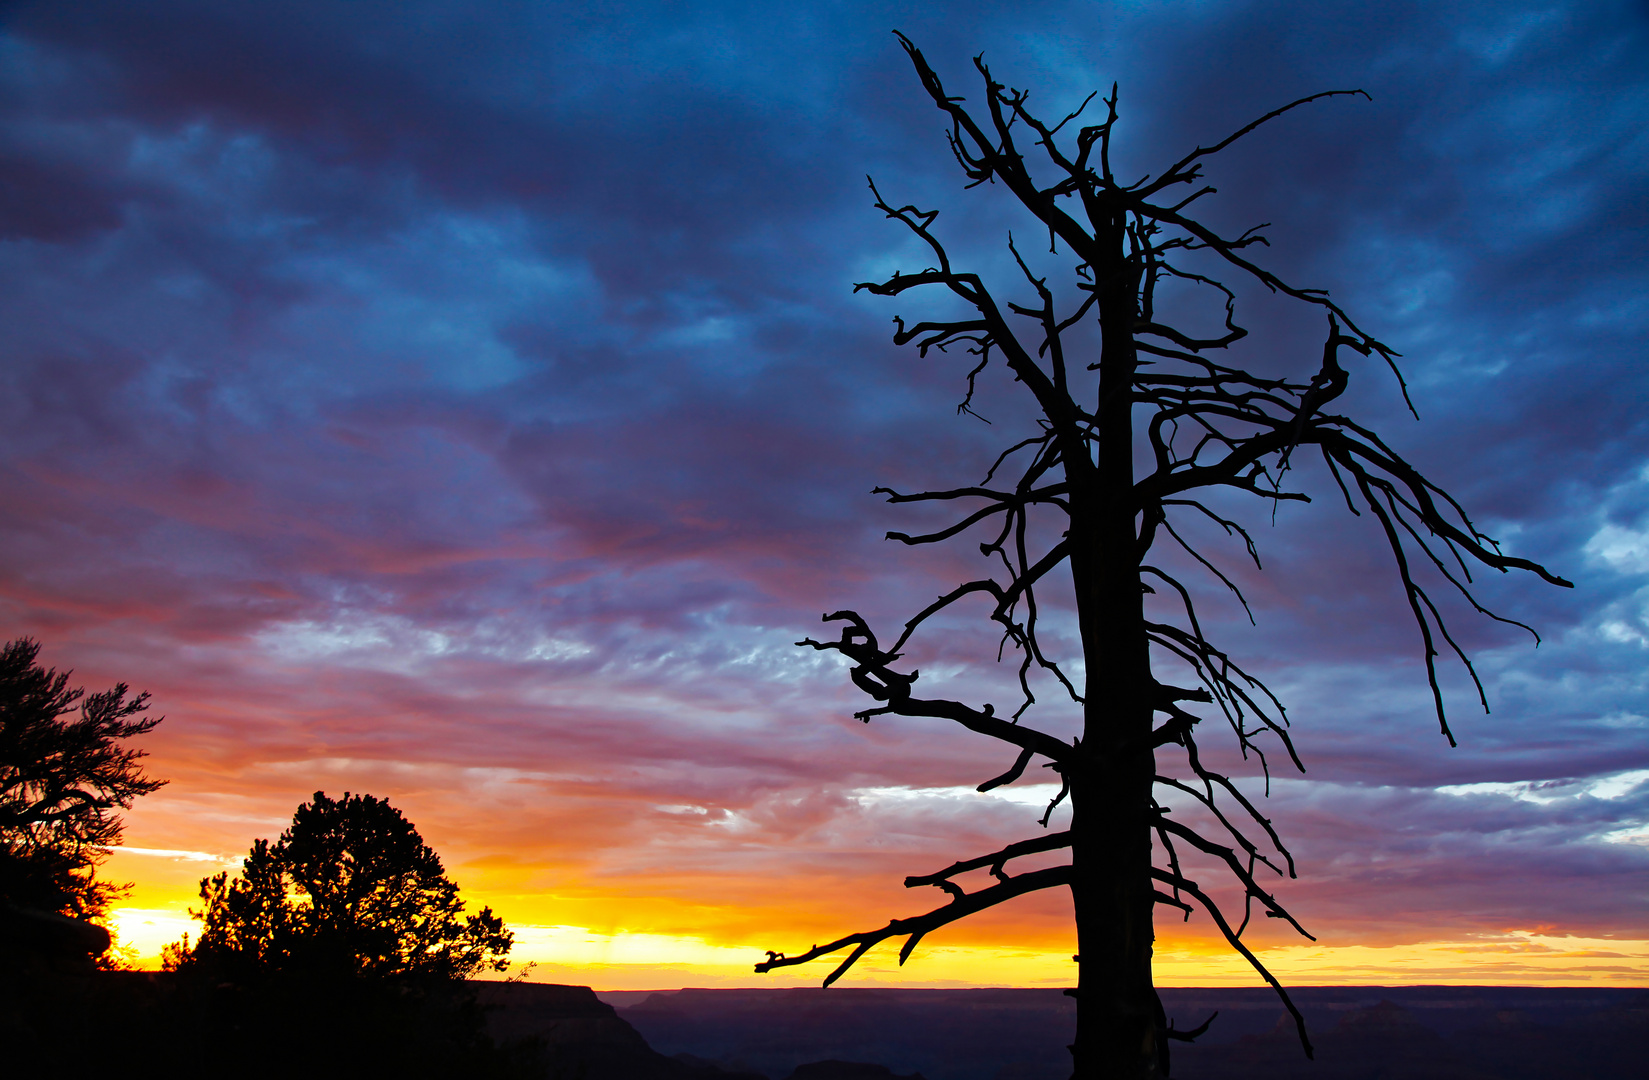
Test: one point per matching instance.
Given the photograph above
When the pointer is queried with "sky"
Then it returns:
(467, 404)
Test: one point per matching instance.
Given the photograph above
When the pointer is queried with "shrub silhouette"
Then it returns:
(342, 942)
(350, 889)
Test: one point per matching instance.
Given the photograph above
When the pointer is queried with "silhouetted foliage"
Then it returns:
(189, 1023)
(63, 776)
(343, 942)
(349, 890)
(1141, 433)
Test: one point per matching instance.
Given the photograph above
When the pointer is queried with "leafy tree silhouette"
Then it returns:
(342, 943)
(1141, 430)
(350, 889)
(64, 775)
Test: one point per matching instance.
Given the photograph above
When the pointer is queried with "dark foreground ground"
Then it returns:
(140, 1024)
(1361, 1033)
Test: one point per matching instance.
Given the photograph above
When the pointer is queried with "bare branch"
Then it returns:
(1182, 884)
(918, 927)
(995, 860)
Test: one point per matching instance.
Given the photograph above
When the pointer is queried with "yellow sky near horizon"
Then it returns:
(639, 943)
(639, 960)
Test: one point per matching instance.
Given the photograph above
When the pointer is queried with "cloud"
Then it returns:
(472, 407)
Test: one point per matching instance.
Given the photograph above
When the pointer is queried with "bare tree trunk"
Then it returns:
(1116, 1004)
(1117, 1008)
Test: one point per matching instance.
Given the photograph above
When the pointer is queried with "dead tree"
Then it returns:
(1128, 445)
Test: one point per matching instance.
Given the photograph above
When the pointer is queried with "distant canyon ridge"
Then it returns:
(1417, 1033)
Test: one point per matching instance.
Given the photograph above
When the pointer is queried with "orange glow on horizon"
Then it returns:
(624, 942)
(622, 895)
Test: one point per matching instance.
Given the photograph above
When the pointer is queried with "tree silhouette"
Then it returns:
(1141, 428)
(349, 890)
(63, 777)
(341, 946)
